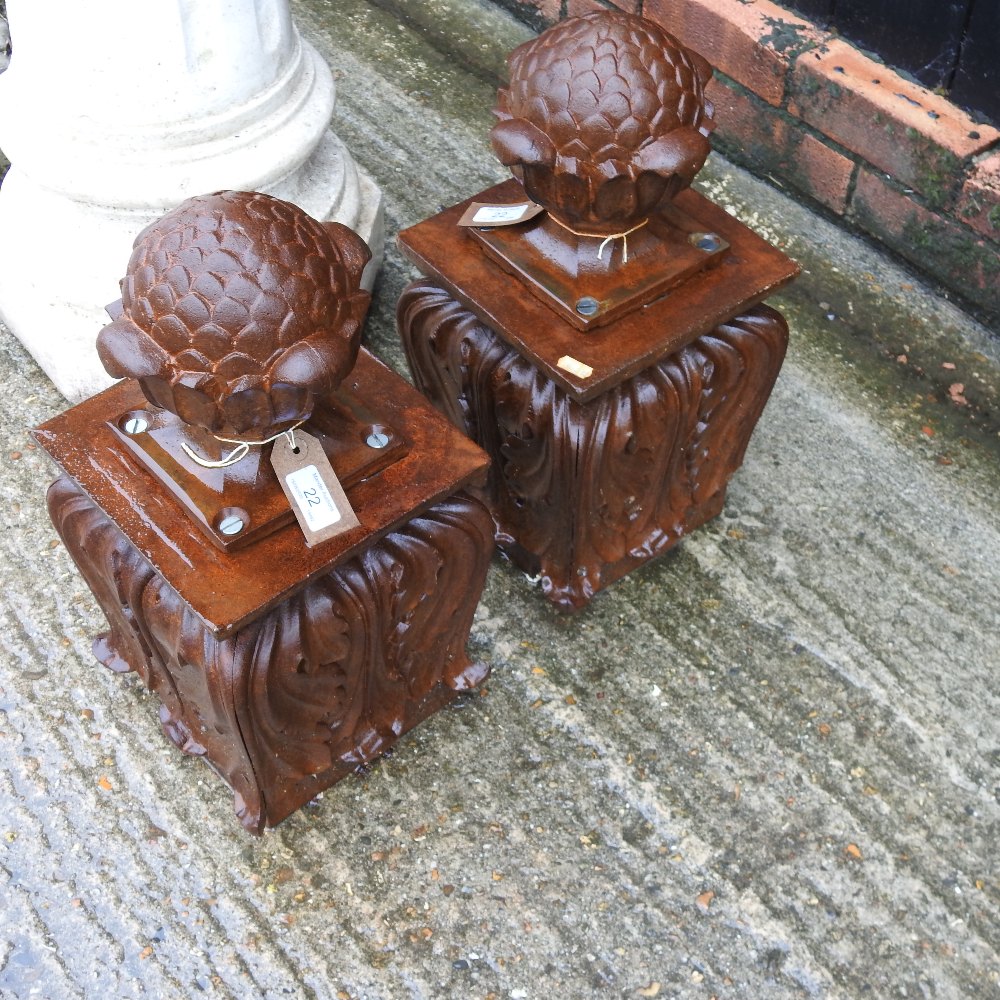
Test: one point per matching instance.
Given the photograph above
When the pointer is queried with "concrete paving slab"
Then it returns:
(767, 765)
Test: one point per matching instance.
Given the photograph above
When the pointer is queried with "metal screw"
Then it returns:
(135, 425)
(587, 306)
(231, 525)
(708, 242)
(377, 439)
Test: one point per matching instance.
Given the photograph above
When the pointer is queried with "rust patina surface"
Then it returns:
(612, 354)
(285, 666)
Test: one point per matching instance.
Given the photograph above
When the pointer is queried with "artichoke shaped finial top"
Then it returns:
(237, 311)
(605, 117)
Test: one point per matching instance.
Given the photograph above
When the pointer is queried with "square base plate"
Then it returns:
(342, 423)
(230, 589)
(588, 283)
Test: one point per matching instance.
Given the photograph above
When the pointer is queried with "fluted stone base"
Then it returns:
(185, 101)
(61, 260)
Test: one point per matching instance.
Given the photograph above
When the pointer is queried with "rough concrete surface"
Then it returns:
(766, 766)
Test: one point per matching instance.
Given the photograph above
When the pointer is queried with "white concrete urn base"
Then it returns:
(236, 100)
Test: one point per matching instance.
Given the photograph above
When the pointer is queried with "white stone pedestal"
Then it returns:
(112, 113)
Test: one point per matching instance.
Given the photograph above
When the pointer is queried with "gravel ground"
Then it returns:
(767, 765)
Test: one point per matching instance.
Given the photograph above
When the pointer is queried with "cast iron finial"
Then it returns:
(605, 118)
(237, 311)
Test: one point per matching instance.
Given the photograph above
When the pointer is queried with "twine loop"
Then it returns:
(241, 450)
(605, 240)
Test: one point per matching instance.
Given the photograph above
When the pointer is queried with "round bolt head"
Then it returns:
(708, 242)
(377, 439)
(136, 425)
(231, 525)
(587, 306)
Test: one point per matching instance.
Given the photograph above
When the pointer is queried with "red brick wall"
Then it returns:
(891, 158)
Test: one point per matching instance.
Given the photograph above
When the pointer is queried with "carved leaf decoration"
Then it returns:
(299, 691)
(581, 492)
(155, 633)
(125, 350)
(326, 680)
(519, 142)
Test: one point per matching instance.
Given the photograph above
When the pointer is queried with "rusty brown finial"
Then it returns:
(605, 119)
(237, 311)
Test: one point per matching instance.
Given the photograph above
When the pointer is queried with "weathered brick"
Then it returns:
(821, 172)
(979, 205)
(915, 136)
(938, 245)
(753, 44)
(770, 142)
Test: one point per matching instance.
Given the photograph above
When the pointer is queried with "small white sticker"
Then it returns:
(499, 213)
(313, 498)
(568, 363)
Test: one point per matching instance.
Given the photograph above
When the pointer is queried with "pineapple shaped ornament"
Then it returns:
(604, 122)
(605, 341)
(238, 311)
(240, 316)
(605, 119)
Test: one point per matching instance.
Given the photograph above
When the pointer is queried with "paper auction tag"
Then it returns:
(484, 216)
(313, 490)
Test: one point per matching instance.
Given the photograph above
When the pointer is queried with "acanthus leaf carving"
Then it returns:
(325, 681)
(584, 492)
